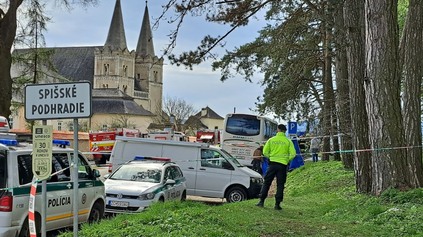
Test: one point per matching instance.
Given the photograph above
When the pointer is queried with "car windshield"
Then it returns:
(231, 158)
(137, 173)
(3, 169)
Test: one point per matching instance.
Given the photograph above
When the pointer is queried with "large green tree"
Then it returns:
(296, 48)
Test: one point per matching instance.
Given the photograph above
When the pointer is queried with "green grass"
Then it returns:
(320, 200)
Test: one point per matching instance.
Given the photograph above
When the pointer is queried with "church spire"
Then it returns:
(145, 41)
(116, 37)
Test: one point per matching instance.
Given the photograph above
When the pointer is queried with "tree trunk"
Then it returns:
(7, 36)
(335, 130)
(342, 99)
(354, 24)
(327, 92)
(383, 96)
(412, 69)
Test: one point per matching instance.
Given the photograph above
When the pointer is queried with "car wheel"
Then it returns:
(184, 196)
(96, 213)
(236, 194)
(161, 199)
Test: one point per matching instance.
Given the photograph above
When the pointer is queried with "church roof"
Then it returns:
(114, 101)
(73, 63)
(116, 38)
(145, 41)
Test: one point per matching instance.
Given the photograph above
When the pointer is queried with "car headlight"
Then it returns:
(256, 180)
(147, 196)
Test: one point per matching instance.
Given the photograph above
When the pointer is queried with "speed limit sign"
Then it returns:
(42, 138)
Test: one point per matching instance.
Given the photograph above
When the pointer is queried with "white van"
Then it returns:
(15, 183)
(209, 171)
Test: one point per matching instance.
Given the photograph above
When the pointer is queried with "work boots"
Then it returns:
(260, 203)
(278, 206)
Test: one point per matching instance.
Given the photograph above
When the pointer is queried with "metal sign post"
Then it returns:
(60, 101)
(42, 138)
(75, 179)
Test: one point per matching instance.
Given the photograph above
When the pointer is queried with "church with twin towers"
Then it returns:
(126, 84)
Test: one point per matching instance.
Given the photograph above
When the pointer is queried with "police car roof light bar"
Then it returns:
(9, 142)
(61, 142)
(164, 159)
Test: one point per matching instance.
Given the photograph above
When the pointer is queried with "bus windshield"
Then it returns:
(243, 125)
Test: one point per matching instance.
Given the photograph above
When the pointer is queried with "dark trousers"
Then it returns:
(315, 157)
(280, 171)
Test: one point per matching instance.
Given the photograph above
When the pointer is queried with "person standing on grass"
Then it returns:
(280, 150)
(314, 148)
(258, 159)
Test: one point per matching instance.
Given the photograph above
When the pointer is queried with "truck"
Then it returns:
(165, 135)
(101, 143)
(210, 171)
(212, 137)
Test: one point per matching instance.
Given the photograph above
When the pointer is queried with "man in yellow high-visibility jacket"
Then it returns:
(280, 150)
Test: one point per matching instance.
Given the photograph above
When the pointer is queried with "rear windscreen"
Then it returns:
(3, 169)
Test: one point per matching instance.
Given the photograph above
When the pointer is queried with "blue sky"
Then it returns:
(200, 87)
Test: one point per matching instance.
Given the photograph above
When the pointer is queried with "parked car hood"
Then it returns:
(129, 187)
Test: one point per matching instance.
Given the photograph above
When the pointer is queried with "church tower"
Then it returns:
(114, 64)
(148, 68)
(137, 73)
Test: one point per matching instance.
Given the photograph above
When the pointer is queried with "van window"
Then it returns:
(3, 169)
(214, 159)
(59, 162)
(84, 169)
(25, 168)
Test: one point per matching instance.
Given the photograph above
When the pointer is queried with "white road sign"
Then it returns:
(42, 138)
(58, 100)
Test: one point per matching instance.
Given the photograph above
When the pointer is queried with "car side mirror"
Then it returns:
(96, 173)
(170, 181)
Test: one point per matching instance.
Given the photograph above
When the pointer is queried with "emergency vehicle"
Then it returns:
(15, 183)
(136, 184)
(101, 143)
(165, 135)
(210, 171)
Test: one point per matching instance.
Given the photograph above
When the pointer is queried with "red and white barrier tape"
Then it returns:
(31, 212)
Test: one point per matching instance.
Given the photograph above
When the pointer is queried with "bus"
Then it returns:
(243, 133)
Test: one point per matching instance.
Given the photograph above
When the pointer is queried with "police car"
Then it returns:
(15, 184)
(136, 184)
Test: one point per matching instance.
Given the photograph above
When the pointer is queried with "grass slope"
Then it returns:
(320, 200)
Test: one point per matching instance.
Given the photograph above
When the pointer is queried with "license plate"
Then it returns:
(118, 204)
